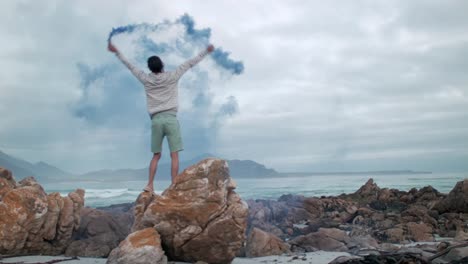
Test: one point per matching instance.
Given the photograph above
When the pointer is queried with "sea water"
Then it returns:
(107, 193)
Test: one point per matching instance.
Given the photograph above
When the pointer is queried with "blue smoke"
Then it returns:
(199, 36)
(229, 108)
(124, 29)
(202, 35)
(222, 58)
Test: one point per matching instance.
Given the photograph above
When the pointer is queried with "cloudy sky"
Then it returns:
(341, 85)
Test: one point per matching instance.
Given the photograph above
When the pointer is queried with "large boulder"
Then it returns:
(100, 231)
(456, 201)
(140, 247)
(200, 217)
(33, 222)
(261, 243)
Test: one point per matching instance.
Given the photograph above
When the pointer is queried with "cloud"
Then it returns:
(342, 85)
(328, 86)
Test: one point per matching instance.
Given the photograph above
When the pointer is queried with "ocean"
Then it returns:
(108, 193)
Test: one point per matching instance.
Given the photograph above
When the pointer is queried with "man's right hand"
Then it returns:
(112, 48)
(210, 48)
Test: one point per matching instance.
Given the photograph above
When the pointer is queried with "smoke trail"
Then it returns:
(202, 35)
(199, 36)
(125, 29)
(222, 58)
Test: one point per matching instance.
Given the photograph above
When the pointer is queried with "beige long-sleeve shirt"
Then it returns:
(161, 88)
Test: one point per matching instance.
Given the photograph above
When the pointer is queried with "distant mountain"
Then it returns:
(41, 171)
(50, 171)
(250, 169)
(20, 168)
(45, 172)
(237, 168)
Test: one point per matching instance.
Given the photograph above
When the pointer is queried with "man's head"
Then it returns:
(155, 64)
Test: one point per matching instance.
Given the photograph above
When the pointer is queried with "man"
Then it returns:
(162, 103)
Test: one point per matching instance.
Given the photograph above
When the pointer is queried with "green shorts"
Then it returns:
(165, 125)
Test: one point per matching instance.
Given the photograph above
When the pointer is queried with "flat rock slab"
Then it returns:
(317, 257)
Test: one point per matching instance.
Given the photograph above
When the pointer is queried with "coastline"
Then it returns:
(212, 222)
(100, 194)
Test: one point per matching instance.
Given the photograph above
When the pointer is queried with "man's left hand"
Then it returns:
(210, 48)
(112, 48)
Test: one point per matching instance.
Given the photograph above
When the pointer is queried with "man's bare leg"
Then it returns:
(174, 166)
(152, 170)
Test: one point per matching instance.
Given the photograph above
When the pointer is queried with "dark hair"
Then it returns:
(155, 64)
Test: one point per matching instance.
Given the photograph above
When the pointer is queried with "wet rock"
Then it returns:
(335, 233)
(456, 201)
(260, 243)
(345, 259)
(457, 254)
(369, 191)
(140, 247)
(386, 259)
(461, 234)
(419, 213)
(394, 235)
(420, 232)
(360, 242)
(100, 231)
(324, 239)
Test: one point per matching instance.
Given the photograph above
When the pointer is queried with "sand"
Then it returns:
(35, 259)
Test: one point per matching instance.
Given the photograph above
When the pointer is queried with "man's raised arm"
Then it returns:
(141, 75)
(192, 62)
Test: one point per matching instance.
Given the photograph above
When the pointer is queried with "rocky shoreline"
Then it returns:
(373, 220)
(201, 218)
